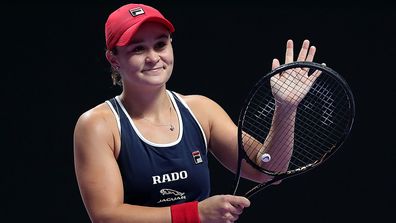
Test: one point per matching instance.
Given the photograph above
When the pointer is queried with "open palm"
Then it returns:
(291, 86)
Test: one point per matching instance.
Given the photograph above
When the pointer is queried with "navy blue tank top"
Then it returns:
(160, 175)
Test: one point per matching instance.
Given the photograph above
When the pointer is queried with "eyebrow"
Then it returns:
(137, 41)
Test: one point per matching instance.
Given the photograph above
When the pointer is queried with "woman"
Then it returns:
(142, 156)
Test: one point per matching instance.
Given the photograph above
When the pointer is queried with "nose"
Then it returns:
(152, 57)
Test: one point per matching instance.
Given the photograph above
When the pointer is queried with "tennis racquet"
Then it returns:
(293, 119)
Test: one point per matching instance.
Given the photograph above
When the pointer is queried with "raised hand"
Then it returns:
(291, 86)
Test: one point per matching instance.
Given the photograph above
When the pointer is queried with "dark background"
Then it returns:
(54, 69)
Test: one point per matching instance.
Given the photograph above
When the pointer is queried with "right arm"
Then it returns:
(98, 175)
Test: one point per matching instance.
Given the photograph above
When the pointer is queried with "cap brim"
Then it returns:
(127, 36)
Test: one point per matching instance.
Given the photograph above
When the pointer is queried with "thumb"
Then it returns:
(239, 201)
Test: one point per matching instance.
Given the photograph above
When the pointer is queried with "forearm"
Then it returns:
(126, 213)
(280, 140)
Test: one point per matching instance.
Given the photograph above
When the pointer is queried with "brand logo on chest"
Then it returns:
(169, 177)
(197, 157)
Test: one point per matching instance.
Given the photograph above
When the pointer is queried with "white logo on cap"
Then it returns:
(136, 11)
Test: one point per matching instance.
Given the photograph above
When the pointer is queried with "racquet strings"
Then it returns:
(321, 121)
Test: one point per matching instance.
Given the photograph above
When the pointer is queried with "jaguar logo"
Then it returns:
(171, 195)
(170, 192)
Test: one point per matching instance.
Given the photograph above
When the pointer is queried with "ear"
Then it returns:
(112, 59)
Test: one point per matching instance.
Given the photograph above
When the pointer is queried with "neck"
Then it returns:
(153, 106)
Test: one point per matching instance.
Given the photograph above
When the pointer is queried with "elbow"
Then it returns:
(277, 182)
(101, 219)
(102, 216)
(268, 179)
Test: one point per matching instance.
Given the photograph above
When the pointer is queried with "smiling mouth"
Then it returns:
(154, 69)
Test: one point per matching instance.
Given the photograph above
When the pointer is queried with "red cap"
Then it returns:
(123, 23)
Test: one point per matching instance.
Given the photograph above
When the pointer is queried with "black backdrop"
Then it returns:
(54, 69)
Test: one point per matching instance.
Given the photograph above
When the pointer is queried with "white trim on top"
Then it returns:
(192, 114)
(116, 115)
(140, 135)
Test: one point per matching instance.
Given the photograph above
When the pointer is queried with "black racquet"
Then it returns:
(314, 109)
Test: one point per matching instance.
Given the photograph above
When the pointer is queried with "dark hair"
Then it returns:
(115, 74)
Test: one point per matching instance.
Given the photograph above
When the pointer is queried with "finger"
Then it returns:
(311, 53)
(230, 217)
(238, 201)
(236, 210)
(289, 52)
(316, 74)
(304, 50)
(275, 63)
(313, 77)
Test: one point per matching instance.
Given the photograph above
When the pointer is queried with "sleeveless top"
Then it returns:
(160, 175)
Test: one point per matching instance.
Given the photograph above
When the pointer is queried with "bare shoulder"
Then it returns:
(204, 108)
(214, 120)
(96, 125)
(99, 115)
(198, 101)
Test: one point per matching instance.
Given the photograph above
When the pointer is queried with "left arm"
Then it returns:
(222, 133)
(280, 140)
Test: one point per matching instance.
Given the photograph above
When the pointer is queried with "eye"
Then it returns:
(160, 45)
(136, 49)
